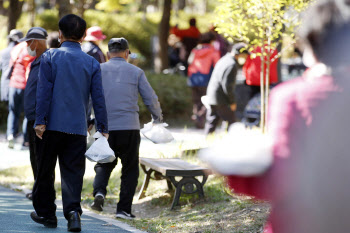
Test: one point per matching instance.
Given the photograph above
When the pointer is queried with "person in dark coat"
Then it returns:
(67, 78)
(36, 42)
(220, 93)
(94, 37)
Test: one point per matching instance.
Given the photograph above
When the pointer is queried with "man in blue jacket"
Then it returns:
(67, 77)
(36, 41)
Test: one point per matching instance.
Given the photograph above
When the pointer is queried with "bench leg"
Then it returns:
(144, 187)
(170, 186)
(187, 183)
(176, 196)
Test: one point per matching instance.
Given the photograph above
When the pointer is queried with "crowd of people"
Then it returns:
(58, 83)
(198, 53)
(61, 87)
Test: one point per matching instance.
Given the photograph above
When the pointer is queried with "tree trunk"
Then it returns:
(14, 12)
(181, 4)
(64, 8)
(143, 5)
(81, 8)
(267, 86)
(164, 27)
(32, 12)
(2, 9)
(93, 4)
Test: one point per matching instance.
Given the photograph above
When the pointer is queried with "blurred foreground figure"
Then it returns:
(326, 36)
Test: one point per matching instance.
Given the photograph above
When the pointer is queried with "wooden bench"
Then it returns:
(169, 169)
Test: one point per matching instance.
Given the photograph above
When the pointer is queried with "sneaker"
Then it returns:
(25, 146)
(124, 215)
(11, 141)
(98, 203)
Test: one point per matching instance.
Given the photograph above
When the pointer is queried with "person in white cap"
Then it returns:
(94, 37)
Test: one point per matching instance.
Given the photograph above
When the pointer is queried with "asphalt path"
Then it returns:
(15, 211)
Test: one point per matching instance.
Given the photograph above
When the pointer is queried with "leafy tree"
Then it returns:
(260, 23)
(112, 5)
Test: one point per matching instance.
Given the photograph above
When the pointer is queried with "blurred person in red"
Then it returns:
(326, 35)
(94, 37)
(189, 38)
(201, 64)
(20, 62)
(252, 69)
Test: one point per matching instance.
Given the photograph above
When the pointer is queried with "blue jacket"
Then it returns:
(30, 90)
(66, 79)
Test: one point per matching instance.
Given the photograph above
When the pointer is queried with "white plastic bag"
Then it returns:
(100, 151)
(243, 152)
(157, 133)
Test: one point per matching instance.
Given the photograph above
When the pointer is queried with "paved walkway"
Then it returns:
(15, 212)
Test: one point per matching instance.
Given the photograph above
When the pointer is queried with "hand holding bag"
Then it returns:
(100, 151)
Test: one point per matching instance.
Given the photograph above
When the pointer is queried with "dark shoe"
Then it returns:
(125, 215)
(74, 224)
(29, 196)
(98, 203)
(47, 222)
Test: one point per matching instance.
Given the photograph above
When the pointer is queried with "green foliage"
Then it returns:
(265, 19)
(174, 96)
(137, 30)
(112, 5)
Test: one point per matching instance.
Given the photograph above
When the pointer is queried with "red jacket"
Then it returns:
(191, 32)
(20, 60)
(252, 67)
(201, 64)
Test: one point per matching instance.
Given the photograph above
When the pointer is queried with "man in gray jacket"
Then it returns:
(220, 92)
(122, 82)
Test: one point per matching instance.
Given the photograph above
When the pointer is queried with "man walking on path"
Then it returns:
(122, 83)
(5, 56)
(36, 42)
(67, 77)
(221, 87)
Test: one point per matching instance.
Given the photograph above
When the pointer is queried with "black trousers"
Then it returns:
(32, 147)
(199, 110)
(70, 150)
(125, 144)
(214, 113)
